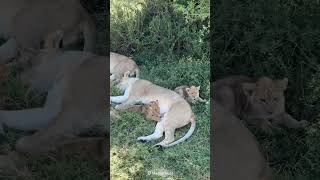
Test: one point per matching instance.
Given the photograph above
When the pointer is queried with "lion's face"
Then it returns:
(193, 93)
(267, 95)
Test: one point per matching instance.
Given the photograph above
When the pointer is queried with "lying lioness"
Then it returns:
(260, 101)
(175, 111)
(27, 22)
(120, 64)
(235, 151)
(71, 107)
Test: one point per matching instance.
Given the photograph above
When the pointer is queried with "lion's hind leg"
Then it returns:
(158, 133)
(169, 137)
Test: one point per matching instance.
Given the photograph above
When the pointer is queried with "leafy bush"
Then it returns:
(170, 29)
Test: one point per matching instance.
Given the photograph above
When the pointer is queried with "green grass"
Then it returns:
(278, 39)
(169, 42)
(48, 167)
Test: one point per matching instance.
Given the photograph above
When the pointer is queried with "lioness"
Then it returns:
(259, 101)
(191, 94)
(175, 111)
(71, 108)
(120, 64)
(235, 150)
(27, 22)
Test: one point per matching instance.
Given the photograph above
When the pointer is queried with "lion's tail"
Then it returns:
(186, 136)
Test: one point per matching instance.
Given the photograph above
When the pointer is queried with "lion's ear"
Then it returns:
(282, 83)
(248, 88)
(188, 89)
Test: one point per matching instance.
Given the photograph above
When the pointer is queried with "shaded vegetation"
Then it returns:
(276, 38)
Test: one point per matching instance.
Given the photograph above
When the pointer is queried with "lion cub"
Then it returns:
(191, 94)
(150, 110)
(120, 64)
(259, 101)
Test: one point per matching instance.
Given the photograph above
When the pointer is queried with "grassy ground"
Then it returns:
(169, 42)
(19, 97)
(278, 39)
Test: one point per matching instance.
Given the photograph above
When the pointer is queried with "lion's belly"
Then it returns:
(163, 108)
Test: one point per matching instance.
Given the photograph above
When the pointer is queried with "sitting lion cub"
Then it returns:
(175, 111)
(260, 101)
(191, 94)
(120, 64)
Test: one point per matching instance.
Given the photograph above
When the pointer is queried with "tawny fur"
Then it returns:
(120, 64)
(175, 111)
(235, 151)
(191, 94)
(150, 110)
